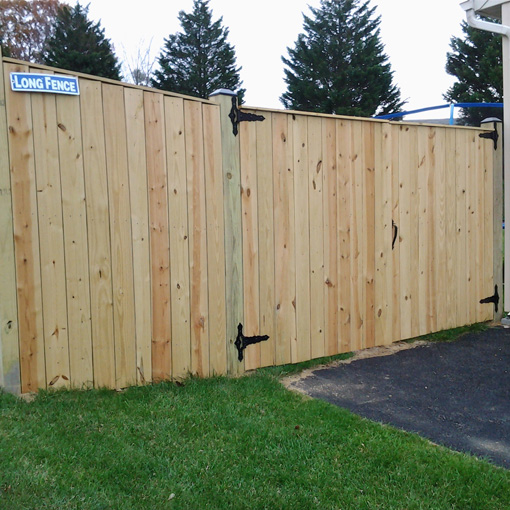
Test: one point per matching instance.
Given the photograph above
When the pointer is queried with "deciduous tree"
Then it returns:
(80, 45)
(198, 60)
(476, 63)
(338, 64)
(25, 26)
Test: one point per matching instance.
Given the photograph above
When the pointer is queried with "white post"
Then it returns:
(505, 20)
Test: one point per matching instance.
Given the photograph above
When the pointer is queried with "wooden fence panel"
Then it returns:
(142, 230)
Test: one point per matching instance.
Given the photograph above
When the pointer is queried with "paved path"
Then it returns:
(456, 394)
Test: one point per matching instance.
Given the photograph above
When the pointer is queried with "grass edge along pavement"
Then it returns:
(224, 443)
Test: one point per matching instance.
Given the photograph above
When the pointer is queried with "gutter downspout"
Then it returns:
(504, 30)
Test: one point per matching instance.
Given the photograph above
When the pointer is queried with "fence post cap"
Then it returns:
(223, 92)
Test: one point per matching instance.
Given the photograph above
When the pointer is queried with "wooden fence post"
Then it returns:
(9, 341)
(231, 154)
(498, 238)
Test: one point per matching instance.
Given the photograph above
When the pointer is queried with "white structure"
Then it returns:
(498, 9)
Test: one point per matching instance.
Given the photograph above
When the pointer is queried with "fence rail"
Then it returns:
(137, 231)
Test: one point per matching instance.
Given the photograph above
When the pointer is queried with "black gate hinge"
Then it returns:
(492, 299)
(492, 135)
(236, 116)
(243, 341)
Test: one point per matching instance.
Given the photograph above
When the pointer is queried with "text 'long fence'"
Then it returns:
(137, 231)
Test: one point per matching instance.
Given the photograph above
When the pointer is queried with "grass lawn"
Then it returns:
(222, 443)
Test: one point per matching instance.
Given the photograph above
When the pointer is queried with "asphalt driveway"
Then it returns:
(456, 394)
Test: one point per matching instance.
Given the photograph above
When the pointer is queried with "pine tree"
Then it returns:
(476, 62)
(338, 64)
(198, 60)
(79, 44)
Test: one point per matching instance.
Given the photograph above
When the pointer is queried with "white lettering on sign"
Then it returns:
(50, 83)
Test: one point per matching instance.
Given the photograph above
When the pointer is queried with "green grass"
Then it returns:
(222, 443)
(450, 335)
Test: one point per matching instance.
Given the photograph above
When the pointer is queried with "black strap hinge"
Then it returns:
(243, 341)
(492, 299)
(236, 116)
(492, 135)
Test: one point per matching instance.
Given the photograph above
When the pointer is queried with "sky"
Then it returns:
(416, 40)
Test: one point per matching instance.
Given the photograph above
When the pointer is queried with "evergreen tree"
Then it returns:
(78, 44)
(198, 60)
(476, 62)
(338, 65)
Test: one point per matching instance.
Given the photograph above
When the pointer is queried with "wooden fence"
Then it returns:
(137, 231)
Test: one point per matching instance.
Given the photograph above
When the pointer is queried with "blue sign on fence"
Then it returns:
(50, 83)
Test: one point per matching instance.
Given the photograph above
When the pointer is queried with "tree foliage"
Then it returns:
(338, 64)
(198, 60)
(80, 45)
(25, 26)
(476, 63)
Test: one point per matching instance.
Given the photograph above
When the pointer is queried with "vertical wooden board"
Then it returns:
(471, 226)
(439, 255)
(51, 235)
(395, 216)
(138, 196)
(159, 236)
(98, 226)
(357, 215)
(265, 186)
(197, 238)
(249, 210)
(424, 219)
(215, 240)
(369, 231)
(492, 236)
(450, 287)
(122, 238)
(9, 338)
(461, 263)
(407, 227)
(383, 235)
(344, 185)
(75, 239)
(330, 236)
(479, 214)
(316, 195)
(285, 269)
(302, 229)
(179, 236)
(26, 237)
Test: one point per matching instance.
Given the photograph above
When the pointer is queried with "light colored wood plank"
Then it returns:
(26, 237)
(266, 239)
(480, 229)
(395, 216)
(249, 210)
(285, 268)
(122, 238)
(302, 236)
(138, 194)
(98, 226)
(471, 212)
(159, 236)
(75, 239)
(369, 231)
(330, 236)
(179, 237)
(450, 229)
(344, 184)
(461, 269)
(383, 235)
(356, 213)
(9, 339)
(215, 240)
(440, 292)
(494, 218)
(317, 278)
(197, 225)
(51, 235)
(233, 231)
